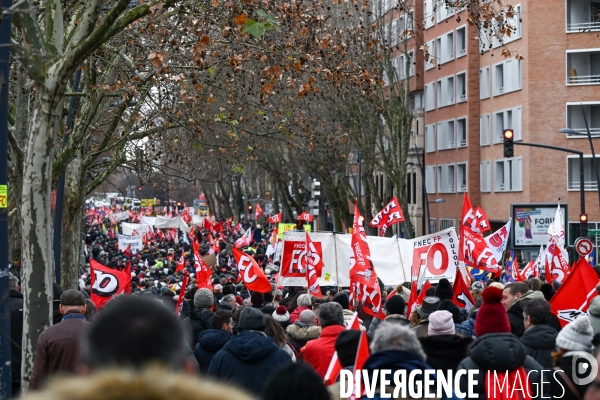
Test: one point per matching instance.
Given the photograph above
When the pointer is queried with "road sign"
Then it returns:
(594, 232)
(584, 246)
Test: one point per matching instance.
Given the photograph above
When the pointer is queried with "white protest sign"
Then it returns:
(134, 241)
(498, 240)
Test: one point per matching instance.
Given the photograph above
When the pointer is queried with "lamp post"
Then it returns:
(569, 131)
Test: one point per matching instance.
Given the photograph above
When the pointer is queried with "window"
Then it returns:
(507, 77)
(461, 41)
(589, 176)
(484, 130)
(429, 16)
(461, 87)
(461, 177)
(432, 224)
(430, 138)
(575, 119)
(445, 47)
(409, 185)
(446, 135)
(410, 18)
(461, 132)
(444, 10)
(396, 24)
(430, 178)
(484, 83)
(414, 188)
(402, 67)
(484, 177)
(515, 25)
(411, 63)
(507, 119)
(507, 175)
(440, 98)
(429, 96)
(431, 60)
(445, 91)
(446, 223)
(445, 178)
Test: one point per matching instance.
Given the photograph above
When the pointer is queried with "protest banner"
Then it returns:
(282, 228)
(134, 241)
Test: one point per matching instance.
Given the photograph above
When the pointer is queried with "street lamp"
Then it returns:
(437, 201)
(570, 131)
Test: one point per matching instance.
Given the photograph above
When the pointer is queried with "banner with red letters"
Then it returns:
(390, 215)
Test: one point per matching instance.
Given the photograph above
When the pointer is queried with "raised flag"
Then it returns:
(364, 285)
(184, 283)
(107, 283)
(206, 224)
(305, 217)
(461, 295)
(475, 220)
(251, 275)
(498, 240)
(475, 251)
(576, 293)
(529, 270)
(181, 263)
(559, 267)
(258, 212)
(591, 258)
(556, 230)
(390, 214)
(218, 227)
(354, 322)
(423, 293)
(275, 219)
(362, 354)
(203, 272)
(333, 370)
(312, 264)
(412, 299)
(509, 269)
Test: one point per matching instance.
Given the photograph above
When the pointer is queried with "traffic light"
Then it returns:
(583, 225)
(250, 208)
(508, 135)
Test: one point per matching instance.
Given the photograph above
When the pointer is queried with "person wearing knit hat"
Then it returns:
(496, 349)
(429, 305)
(200, 318)
(443, 347)
(575, 337)
(594, 314)
(257, 299)
(282, 316)
(304, 329)
(249, 358)
(443, 290)
(394, 306)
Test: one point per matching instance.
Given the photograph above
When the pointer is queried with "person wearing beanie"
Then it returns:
(346, 346)
(304, 329)
(443, 347)
(212, 340)
(394, 306)
(594, 314)
(575, 337)
(249, 358)
(547, 291)
(257, 300)
(281, 315)
(496, 349)
(444, 290)
(200, 318)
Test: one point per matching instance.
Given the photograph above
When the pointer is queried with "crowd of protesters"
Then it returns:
(230, 343)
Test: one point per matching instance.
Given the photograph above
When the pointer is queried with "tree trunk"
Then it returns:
(72, 224)
(36, 222)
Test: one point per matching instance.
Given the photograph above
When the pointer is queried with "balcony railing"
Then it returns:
(587, 185)
(584, 79)
(584, 26)
(594, 131)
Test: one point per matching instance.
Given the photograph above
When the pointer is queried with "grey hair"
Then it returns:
(304, 300)
(227, 298)
(330, 314)
(393, 336)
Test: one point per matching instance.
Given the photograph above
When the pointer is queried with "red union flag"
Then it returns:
(560, 267)
(475, 219)
(305, 217)
(312, 267)
(107, 283)
(475, 251)
(259, 211)
(251, 275)
(576, 293)
(203, 272)
(275, 219)
(462, 297)
(364, 285)
(390, 214)
(294, 252)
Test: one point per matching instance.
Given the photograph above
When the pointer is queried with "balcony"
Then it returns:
(576, 122)
(583, 68)
(583, 15)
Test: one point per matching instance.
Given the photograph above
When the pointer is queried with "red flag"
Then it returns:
(462, 296)
(560, 267)
(412, 299)
(207, 225)
(363, 351)
(203, 272)
(275, 219)
(305, 217)
(218, 227)
(312, 263)
(363, 279)
(180, 264)
(529, 269)
(476, 220)
(423, 293)
(354, 322)
(475, 251)
(259, 211)
(181, 293)
(390, 214)
(333, 370)
(251, 274)
(107, 283)
(576, 293)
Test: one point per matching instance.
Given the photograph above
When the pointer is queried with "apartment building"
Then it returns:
(472, 93)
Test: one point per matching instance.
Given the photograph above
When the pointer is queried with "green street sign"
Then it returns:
(594, 232)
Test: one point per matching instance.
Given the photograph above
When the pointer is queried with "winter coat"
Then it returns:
(16, 333)
(317, 353)
(247, 361)
(540, 342)
(198, 322)
(373, 327)
(296, 313)
(422, 329)
(500, 352)
(209, 343)
(566, 364)
(58, 348)
(466, 329)
(515, 312)
(348, 315)
(298, 335)
(445, 351)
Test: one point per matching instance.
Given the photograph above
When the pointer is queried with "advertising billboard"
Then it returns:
(531, 223)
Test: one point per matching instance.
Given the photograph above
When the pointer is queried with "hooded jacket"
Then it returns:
(540, 342)
(317, 353)
(298, 334)
(209, 343)
(515, 312)
(445, 351)
(247, 360)
(294, 315)
(500, 352)
(198, 322)
(558, 386)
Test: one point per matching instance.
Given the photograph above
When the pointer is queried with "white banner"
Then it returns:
(127, 228)
(134, 241)
(498, 240)
(176, 222)
(148, 220)
(120, 216)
